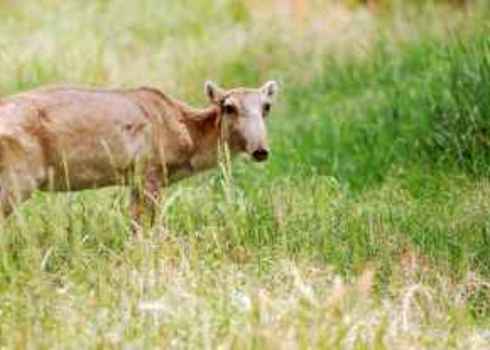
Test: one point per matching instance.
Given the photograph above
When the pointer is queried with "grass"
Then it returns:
(368, 229)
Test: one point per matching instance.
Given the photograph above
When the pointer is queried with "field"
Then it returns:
(369, 228)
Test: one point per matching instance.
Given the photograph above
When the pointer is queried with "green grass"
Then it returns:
(368, 228)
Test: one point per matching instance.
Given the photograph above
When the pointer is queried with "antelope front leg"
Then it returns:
(6, 202)
(136, 207)
(145, 200)
(152, 193)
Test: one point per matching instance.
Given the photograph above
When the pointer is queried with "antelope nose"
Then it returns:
(260, 155)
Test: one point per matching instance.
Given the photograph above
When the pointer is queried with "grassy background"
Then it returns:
(369, 227)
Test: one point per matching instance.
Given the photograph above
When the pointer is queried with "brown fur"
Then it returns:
(65, 138)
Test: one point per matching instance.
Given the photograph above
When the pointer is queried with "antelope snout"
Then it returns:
(260, 154)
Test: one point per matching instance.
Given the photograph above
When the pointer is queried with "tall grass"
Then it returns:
(368, 228)
(427, 106)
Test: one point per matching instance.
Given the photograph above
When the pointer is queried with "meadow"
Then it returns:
(368, 228)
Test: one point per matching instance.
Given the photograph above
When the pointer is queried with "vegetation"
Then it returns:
(368, 228)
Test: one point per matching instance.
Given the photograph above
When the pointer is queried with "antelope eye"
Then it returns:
(267, 108)
(229, 109)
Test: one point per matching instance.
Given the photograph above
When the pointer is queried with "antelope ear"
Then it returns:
(213, 91)
(270, 89)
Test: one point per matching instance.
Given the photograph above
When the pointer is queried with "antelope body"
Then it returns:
(67, 139)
